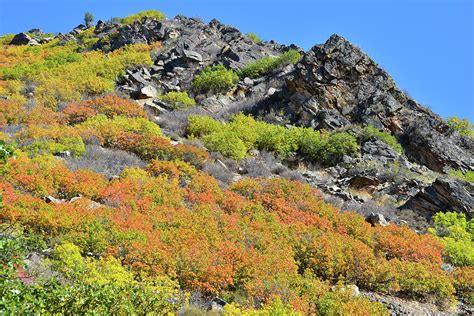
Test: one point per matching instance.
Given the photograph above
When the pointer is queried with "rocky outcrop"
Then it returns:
(336, 85)
(445, 194)
(115, 36)
(189, 45)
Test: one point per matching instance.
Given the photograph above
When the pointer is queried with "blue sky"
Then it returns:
(427, 46)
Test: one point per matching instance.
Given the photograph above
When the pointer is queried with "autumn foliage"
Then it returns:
(170, 228)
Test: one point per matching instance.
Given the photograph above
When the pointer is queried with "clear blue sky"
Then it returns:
(427, 46)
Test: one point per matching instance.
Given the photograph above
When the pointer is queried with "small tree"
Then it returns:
(88, 19)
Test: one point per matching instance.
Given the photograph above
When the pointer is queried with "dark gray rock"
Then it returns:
(146, 31)
(78, 29)
(23, 39)
(445, 194)
(337, 85)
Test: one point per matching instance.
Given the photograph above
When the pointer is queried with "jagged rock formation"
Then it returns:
(444, 194)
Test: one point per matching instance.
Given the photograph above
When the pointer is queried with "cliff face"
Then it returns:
(337, 85)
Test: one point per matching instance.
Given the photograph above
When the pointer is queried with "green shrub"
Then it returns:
(466, 176)
(6, 39)
(88, 19)
(423, 282)
(276, 138)
(341, 301)
(246, 127)
(456, 233)
(462, 126)
(254, 37)
(214, 79)
(338, 145)
(178, 100)
(291, 57)
(370, 132)
(154, 14)
(311, 144)
(268, 64)
(227, 143)
(75, 145)
(5, 151)
(202, 125)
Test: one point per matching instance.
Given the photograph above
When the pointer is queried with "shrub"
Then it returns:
(227, 143)
(464, 283)
(456, 233)
(11, 112)
(105, 161)
(312, 144)
(254, 37)
(178, 100)
(50, 139)
(5, 151)
(106, 129)
(462, 126)
(6, 39)
(61, 74)
(423, 282)
(338, 145)
(202, 125)
(154, 14)
(246, 127)
(466, 176)
(108, 105)
(74, 145)
(370, 132)
(214, 79)
(267, 64)
(343, 302)
(276, 138)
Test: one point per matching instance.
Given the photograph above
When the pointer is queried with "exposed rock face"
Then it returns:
(189, 46)
(444, 194)
(141, 32)
(336, 85)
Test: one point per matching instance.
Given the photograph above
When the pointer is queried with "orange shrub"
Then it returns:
(11, 112)
(156, 147)
(109, 105)
(405, 244)
(464, 283)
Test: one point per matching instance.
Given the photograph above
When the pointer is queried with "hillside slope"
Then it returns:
(171, 165)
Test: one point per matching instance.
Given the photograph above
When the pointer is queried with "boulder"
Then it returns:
(23, 39)
(376, 219)
(148, 92)
(52, 199)
(192, 55)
